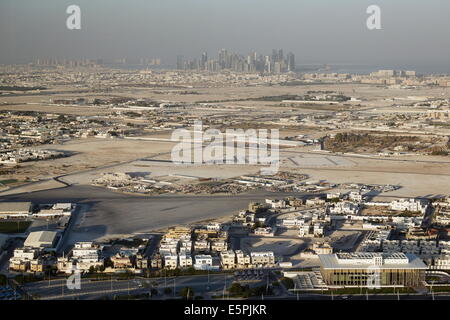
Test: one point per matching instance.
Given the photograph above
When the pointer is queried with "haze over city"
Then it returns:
(413, 33)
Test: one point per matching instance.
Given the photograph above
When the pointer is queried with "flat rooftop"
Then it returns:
(36, 239)
(14, 207)
(370, 260)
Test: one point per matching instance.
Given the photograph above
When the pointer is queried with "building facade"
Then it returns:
(372, 270)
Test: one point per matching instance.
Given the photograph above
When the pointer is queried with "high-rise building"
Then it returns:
(276, 63)
(290, 59)
(204, 60)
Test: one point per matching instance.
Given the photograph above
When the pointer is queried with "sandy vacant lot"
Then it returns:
(280, 247)
(89, 154)
(419, 176)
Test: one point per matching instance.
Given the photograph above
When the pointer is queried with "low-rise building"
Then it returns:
(203, 262)
(218, 245)
(41, 239)
(276, 203)
(364, 269)
(265, 232)
(201, 246)
(184, 261)
(121, 262)
(15, 209)
(344, 207)
(414, 205)
(262, 259)
(243, 260)
(156, 261)
(171, 262)
(304, 230)
(322, 248)
(228, 259)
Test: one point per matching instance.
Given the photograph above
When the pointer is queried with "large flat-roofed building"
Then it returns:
(41, 239)
(365, 269)
(14, 209)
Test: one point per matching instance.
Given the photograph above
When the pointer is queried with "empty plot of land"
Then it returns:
(344, 240)
(280, 247)
(167, 171)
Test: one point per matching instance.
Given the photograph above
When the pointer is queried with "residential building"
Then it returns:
(243, 260)
(203, 262)
(184, 261)
(262, 259)
(171, 262)
(228, 259)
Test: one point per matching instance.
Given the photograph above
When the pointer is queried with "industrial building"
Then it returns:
(15, 209)
(41, 239)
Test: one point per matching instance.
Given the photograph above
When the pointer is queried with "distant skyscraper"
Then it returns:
(180, 64)
(290, 61)
(280, 55)
(277, 62)
(204, 60)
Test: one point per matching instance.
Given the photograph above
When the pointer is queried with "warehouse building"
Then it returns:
(41, 239)
(14, 209)
(372, 269)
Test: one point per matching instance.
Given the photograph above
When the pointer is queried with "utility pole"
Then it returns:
(225, 287)
(432, 292)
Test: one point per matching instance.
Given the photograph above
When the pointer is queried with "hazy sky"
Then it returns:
(317, 31)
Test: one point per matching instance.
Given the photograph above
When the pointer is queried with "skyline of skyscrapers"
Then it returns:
(276, 63)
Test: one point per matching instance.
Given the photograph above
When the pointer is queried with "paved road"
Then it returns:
(57, 289)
